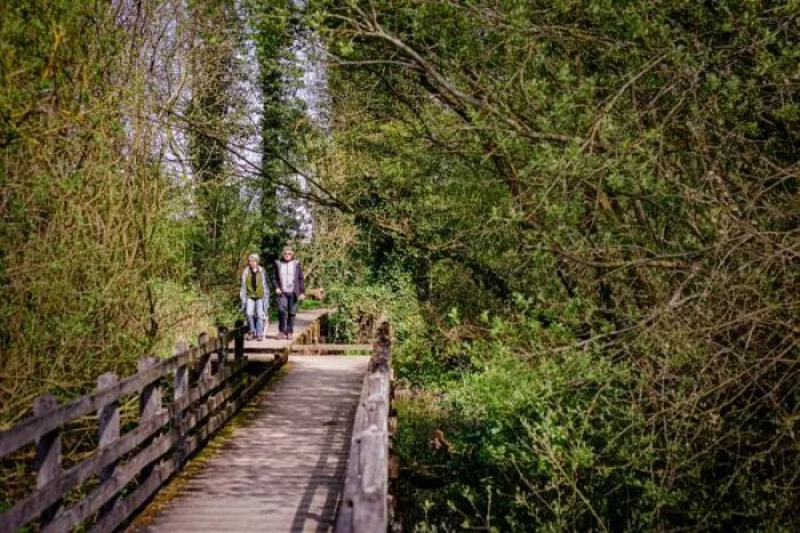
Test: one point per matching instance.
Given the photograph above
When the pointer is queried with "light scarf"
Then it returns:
(287, 272)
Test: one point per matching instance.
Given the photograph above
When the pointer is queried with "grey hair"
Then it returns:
(253, 257)
(288, 249)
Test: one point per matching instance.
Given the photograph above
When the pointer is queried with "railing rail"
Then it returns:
(208, 389)
(365, 505)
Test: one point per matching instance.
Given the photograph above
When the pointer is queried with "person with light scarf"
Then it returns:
(290, 287)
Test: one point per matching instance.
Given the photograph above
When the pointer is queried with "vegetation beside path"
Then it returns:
(587, 217)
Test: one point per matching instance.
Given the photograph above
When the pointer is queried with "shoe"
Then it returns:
(261, 338)
(290, 336)
(249, 336)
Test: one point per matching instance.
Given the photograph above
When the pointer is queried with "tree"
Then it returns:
(629, 168)
(277, 32)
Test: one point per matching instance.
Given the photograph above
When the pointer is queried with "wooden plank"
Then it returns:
(34, 427)
(222, 347)
(264, 349)
(150, 395)
(195, 417)
(129, 505)
(204, 366)
(204, 431)
(195, 420)
(108, 419)
(344, 521)
(238, 343)
(217, 409)
(149, 407)
(333, 348)
(48, 455)
(197, 392)
(181, 386)
(252, 389)
(230, 403)
(370, 508)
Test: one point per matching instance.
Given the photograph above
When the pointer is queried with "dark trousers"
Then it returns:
(287, 308)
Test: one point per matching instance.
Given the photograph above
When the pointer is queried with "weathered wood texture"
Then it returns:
(283, 468)
(365, 501)
(207, 392)
(41, 424)
(314, 349)
(307, 326)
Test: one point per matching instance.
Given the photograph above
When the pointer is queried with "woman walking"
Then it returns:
(254, 294)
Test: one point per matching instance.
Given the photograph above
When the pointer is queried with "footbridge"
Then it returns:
(226, 435)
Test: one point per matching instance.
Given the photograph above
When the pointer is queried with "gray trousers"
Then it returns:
(256, 311)
(287, 309)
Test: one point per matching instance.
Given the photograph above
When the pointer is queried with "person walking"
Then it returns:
(254, 293)
(290, 287)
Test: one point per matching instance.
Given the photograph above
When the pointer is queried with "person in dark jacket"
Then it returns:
(290, 287)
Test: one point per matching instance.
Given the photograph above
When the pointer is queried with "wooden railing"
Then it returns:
(207, 385)
(366, 505)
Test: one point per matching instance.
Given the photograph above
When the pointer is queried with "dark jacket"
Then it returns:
(299, 282)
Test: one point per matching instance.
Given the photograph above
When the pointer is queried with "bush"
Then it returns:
(362, 307)
(577, 440)
(549, 444)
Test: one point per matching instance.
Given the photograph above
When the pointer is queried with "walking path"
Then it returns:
(273, 341)
(284, 469)
(302, 321)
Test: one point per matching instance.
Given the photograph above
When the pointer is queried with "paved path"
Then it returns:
(283, 470)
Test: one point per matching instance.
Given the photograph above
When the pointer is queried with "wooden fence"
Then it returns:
(366, 505)
(207, 386)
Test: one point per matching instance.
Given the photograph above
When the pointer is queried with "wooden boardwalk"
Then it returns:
(283, 470)
(271, 342)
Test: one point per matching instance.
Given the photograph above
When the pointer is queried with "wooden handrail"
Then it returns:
(38, 425)
(365, 502)
(148, 454)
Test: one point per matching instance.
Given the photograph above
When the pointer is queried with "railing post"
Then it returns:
(149, 403)
(238, 342)
(315, 332)
(222, 349)
(108, 430)
(48, 455)
(204, 369)
(323, 329)
(150, 396)
(394, 460)
(181, 388)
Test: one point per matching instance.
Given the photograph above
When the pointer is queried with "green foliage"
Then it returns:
(277, 32)
(217, 113)
(544, 445)
(590, 200)
(98, 241)
(566, 441)
(363, 305)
